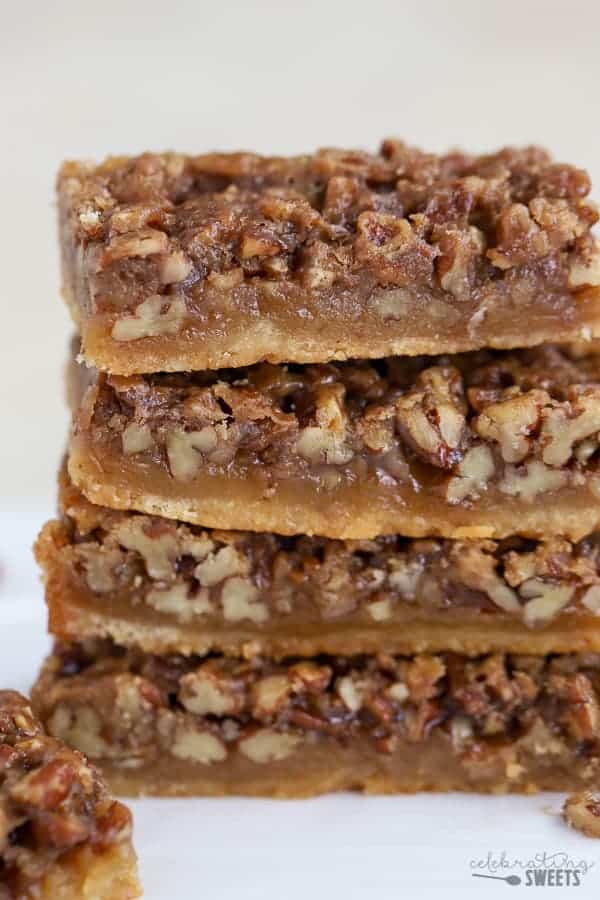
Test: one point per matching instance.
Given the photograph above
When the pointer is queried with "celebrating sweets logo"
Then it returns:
(543, 869)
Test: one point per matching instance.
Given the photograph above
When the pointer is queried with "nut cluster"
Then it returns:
(202, 709)
(51, 800)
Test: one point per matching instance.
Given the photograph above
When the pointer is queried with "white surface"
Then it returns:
(343, 846)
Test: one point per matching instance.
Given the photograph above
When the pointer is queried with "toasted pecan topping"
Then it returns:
(51, 800)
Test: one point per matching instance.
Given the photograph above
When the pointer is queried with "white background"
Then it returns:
(83, 80)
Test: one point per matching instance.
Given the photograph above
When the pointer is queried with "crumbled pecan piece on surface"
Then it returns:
(582, 812)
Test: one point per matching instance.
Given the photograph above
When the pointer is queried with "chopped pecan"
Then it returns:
(422, 677)
(210, 690)
(221, 564)
(393, 249)
(531, 480)
(270, 695)
(326, 442)
(174, 267)
(585, 272)
(460, 249)
(47, 787)
(511, 421)
(477, 568)
(192, 742)
(267, 745)
(136, 438)
(154, 540)
(566, 424)
(145, 242)
(431, 417)
(351, 692)
(529, 233)
(545, 600)
(579, 702)
(156, 316)
(473, 472)
(239, 597)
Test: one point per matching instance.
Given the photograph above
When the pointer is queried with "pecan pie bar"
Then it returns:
(171, 587)
(476, 445)
(61, 836)
(179, 725)
(174, 263)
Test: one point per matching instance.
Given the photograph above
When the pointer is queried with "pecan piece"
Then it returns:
(511, 421)
(431, 417)
(393, 249)
(581, 711)
(473, 472)
(569, 423)
(459, 251)
(267, 745)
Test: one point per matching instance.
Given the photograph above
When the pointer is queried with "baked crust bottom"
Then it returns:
(178, 726)
(350, 512)
(89, 875)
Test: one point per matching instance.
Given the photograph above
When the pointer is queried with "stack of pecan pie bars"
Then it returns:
(327, 519)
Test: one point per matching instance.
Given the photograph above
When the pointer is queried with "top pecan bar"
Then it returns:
(175, 262)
